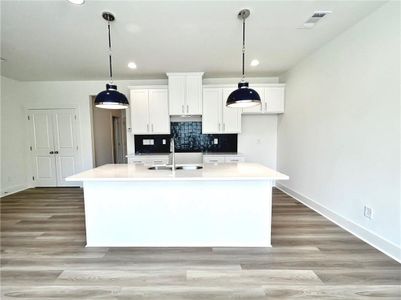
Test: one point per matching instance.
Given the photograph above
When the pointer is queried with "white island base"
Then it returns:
(189, 209)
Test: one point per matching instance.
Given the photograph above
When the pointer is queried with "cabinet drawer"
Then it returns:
(156, 161)
(234, 159)
(213, 159)
(135, 161)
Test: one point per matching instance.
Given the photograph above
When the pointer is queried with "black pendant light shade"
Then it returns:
(243, 96)
(110, 98)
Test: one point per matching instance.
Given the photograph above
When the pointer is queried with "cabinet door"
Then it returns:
(211, 118)
(258, 108)
(65, 145)
(231, 116)
(176, 94)
(44, 164)
(159, 118)
(139, 111)
(274, 99)
(193, 95)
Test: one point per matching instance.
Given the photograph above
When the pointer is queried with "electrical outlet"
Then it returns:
(148, 142)
(164, 141)
(368, 212)
(215, 141)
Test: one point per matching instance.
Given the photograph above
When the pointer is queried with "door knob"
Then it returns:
(55, 152)
(51, 152)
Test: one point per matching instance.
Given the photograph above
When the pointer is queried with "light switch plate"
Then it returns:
(164, 141)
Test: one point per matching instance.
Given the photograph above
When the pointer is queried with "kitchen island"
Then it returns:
(220, 205)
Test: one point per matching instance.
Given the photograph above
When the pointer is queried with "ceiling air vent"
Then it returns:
(316, 17)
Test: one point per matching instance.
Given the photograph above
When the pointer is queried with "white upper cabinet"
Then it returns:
(185, 93)
(217, 118)
(212, 118)
(257, 108)
(149, 111)
(231, 120)
(272, 98)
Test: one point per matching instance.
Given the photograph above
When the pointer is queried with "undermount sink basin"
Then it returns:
(160, 168)
(189, 167)
(179, 167)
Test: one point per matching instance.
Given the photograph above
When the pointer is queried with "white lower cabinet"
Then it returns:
(219, 159)
(217, 118)
(149, 160)
(149, 111)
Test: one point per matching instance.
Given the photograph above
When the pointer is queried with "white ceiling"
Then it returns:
(56, 40)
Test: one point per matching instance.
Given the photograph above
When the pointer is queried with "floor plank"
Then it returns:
(43, 256)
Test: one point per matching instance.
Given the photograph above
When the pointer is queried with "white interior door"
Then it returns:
(42, 148)
(231, 115)
(159, 118)
(65, 145)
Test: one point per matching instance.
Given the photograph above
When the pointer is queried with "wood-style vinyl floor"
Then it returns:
(43, 256)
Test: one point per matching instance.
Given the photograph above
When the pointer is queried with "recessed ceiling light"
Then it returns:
(254, 62)
(132, 65)
(79, 2)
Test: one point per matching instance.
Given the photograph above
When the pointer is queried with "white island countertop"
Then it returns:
(132, 172)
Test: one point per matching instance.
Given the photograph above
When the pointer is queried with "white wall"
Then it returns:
(258, 139)
(339, 139)
(13, 173)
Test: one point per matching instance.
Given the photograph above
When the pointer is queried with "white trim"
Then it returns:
(387, 247)
(184, 74)
(235, 85)
(149, 86)
(13, 189)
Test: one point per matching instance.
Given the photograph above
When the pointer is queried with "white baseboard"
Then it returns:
(13, 189)
(390, 249)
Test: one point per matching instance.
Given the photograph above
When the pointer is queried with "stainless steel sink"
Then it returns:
(182, 167)
(160, 168)
(189, 167)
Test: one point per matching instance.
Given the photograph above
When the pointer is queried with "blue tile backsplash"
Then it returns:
(188, 137)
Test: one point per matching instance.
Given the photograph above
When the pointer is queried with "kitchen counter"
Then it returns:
(131, 172)
(221, 205)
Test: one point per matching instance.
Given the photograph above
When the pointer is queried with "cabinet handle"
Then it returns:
(213, 160)
(224, 127)
(219, 126)
(265, 106)
(157, 161)
(182, 108)
(51, 152)
(147, 127)
(55, 152)
(152, 127)
(187, 108)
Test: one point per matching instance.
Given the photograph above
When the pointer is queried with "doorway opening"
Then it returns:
(109, 135)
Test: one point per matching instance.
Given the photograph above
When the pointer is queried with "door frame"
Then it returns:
(28, 160)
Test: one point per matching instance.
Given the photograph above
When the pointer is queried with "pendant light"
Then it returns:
(110, 98)
(243, 96)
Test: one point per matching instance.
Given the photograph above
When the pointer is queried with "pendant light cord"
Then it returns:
(110, 61)
(243, 49)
